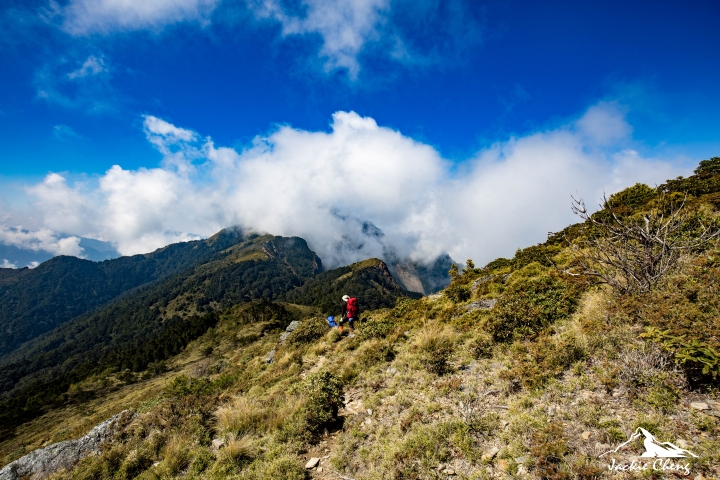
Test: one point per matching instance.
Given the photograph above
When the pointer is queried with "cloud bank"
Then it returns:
(329, 187)
(43, 239)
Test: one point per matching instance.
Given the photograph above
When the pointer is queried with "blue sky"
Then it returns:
(629, 87)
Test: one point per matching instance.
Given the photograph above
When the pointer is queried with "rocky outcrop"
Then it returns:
(407, 275)
(291, 328)
(484, 304)
(43, 462)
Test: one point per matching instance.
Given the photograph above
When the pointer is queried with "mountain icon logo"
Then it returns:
(653, 447)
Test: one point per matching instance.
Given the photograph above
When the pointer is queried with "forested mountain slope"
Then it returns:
(35, 301)
(369, 280)
(155, 321)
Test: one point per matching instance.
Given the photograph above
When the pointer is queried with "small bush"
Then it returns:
(534, 363)
(435, 345)
(284, 466)
(457, 293)
(323, 397)
(481, 346)
(377, 327)
(425, 446)
(376, 352)
(309, 330)
(136, 462)
(549, 446)
(529, 306)
(403, 305)
(202, 459)
(182, 386)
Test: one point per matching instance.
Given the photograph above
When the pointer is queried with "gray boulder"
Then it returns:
(43, 462)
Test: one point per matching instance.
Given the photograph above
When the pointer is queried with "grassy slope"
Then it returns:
(539, 385)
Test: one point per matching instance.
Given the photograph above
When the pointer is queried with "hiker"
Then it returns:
(350, 312)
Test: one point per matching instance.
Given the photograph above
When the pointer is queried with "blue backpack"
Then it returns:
(331, 321)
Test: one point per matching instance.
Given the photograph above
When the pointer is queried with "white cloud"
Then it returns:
(604, 124)
(92, 66)
(417, 34)
(323, 186)
(83, 17)
(43, 239)
(345, 26)
(6, 264)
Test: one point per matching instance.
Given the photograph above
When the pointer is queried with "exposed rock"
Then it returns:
(407, 275)
(503, 465)
(290, 328)
(700, 406)
(217, 443)
(312, 463)
(480, 281)
(480, 305)
(521, 460)
(270, 357)
(490, 454)
(43, 462)
(449, 471)
(585, 435)
(293, 326)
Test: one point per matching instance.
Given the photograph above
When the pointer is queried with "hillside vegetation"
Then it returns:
(529, 367)
(36, 301)
(369, 280)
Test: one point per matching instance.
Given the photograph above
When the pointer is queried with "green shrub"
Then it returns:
(529, 306)
(323, 394)
(284, 466)
(136, 462)
(457, 293)
(698, 358)
(308, 331)
(378, 327)
(425, 446)
(376, 352)
(202, 459)
(403, 305)
(481, 346)
(534, 363)
(183, 386)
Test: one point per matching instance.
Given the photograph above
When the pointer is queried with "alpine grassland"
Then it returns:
(529, 367)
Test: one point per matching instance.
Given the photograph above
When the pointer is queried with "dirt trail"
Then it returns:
(325, 448)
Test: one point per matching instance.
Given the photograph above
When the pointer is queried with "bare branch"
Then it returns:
(634, 253)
